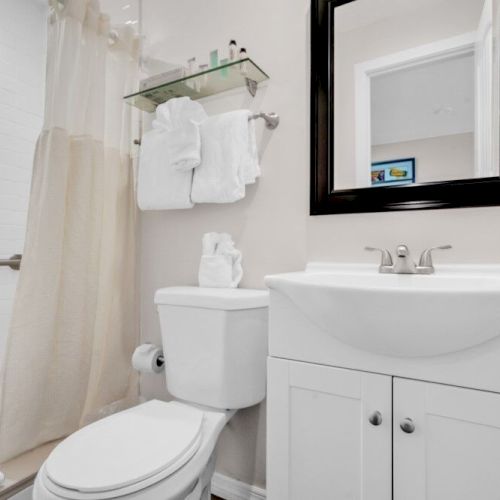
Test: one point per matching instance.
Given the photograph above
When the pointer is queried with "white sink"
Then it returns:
(398, 315)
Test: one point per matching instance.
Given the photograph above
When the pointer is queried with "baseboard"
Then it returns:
(231, 489)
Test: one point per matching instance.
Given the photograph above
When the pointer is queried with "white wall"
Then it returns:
(22, 79)
(436, 159)
(271, 225)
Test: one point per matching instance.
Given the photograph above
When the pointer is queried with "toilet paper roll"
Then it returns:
(148, 358)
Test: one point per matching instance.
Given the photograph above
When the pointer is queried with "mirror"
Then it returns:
(411, 91)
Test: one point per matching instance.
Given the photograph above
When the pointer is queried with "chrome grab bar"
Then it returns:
(14, 262)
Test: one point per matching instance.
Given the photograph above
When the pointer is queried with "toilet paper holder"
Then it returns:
(148, 358)
(160, 362)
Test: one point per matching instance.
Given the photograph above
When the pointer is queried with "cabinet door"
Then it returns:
(451, 450)
(321, 444)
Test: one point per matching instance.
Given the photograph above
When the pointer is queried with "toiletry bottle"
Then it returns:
(203, 78)
(191, 71)
(191, 65)
(243, 65)
(214, 58)
(224, 71)
(233, 50)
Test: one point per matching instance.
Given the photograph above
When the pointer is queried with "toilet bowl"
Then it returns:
(215, 345)
(78, 472)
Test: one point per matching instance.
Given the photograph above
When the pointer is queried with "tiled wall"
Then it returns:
(22, 76)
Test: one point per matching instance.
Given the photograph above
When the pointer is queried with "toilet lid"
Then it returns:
(127, 447)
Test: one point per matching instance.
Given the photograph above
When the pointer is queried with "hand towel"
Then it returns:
(184, 146)
(220, 265)
(250, 165)
(160, 187)
(228, 158)
(181, 117)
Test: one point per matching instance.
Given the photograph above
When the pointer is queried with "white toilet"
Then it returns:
(215, 346)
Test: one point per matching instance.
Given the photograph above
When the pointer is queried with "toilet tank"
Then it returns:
(215, 344)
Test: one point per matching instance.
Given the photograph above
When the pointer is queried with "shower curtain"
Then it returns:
(74, 323)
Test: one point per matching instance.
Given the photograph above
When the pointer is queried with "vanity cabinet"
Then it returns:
(321, 444)
(454, 451)
(338, 434)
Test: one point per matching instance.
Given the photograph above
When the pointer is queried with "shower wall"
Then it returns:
(22, 78)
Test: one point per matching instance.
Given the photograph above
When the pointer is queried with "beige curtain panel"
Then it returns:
(74, 324)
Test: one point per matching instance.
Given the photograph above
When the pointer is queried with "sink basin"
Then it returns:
(398, 315)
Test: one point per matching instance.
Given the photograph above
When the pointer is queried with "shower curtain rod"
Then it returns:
(272, 121)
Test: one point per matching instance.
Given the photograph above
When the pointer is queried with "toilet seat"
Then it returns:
(125, 452)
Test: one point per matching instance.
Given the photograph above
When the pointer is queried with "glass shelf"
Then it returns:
(206, 83)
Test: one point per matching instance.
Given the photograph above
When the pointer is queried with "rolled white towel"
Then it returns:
(225, 247)
(220, 265)
(216, 271)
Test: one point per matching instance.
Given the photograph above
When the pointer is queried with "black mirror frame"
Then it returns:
(324, 200)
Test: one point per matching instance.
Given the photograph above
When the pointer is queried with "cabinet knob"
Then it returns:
(407, 425)
(375, 418)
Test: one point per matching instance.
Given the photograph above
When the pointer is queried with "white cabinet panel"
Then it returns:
(454, 451)
(321, 444)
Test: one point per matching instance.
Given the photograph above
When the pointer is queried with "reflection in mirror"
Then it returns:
(416, 91)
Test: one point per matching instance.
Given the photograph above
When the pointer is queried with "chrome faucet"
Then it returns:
(404, 264)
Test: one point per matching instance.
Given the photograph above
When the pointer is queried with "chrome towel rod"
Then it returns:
(272, 121)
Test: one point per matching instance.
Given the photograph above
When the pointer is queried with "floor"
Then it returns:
(21, 469)
(26, 495)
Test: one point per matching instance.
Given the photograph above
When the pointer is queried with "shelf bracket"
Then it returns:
(251, 86)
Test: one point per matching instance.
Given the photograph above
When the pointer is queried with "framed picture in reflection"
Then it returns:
(393, 172)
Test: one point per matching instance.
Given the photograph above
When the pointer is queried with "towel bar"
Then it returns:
(272, 121)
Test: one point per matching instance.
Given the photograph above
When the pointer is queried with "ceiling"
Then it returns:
(428, 100)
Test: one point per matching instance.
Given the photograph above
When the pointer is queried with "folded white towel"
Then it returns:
(228, 158)
(250, 168)
(220, 265)
(177, 112)
(184, 146)
(158, 186)
(181, 117)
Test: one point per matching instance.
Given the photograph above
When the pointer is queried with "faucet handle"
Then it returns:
(386, 256)
(426, 257)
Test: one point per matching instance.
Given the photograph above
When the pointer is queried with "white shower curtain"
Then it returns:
(74, 323)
